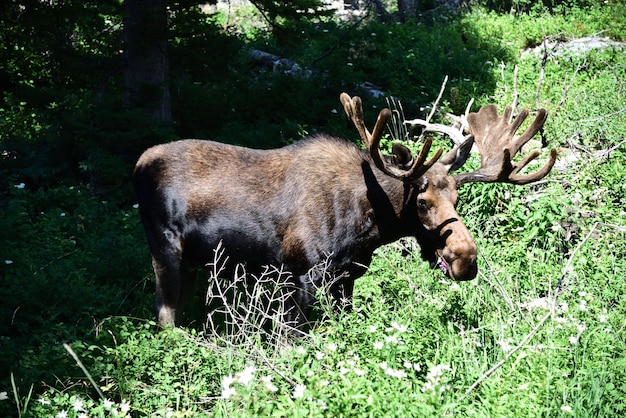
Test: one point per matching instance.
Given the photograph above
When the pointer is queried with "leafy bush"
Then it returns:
(68, 259)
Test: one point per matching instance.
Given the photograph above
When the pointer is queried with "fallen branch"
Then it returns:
(456, 134)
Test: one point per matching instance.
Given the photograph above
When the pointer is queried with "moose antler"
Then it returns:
(354, 109)
(496, 140)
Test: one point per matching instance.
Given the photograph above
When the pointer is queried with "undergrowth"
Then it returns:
(539, 332)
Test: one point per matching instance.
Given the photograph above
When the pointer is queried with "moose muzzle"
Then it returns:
(458, 256)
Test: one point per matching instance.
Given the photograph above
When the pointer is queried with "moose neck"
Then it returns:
(392, 202)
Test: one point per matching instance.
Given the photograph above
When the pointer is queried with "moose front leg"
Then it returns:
(302, 298)
(298, 304)
(341, 291)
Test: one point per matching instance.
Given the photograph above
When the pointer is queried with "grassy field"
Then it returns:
(539, 332)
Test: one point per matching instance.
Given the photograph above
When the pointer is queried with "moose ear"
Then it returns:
(421, 184)
(402, 156)
(456, 157)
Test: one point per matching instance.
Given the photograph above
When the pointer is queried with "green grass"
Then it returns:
(539, 332)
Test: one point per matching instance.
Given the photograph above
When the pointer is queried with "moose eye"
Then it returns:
(422, 204)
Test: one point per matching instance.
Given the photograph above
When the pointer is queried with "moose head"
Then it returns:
(445, 241)
(320, 201)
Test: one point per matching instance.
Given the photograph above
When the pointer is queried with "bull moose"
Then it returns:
(322, 199)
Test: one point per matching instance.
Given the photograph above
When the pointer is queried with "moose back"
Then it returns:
(321, 200)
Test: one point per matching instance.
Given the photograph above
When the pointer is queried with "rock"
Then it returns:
(574, 46)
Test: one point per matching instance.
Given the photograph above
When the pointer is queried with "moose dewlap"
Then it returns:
(321, 200)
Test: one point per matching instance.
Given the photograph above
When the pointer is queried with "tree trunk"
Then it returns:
(146, 72)
(407, 9)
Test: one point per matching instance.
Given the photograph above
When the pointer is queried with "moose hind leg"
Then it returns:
(174, 287)
(168, 289)
(188, 272)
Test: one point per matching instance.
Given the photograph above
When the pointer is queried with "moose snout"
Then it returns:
(459, 253)
(460, 261)
(462, 268)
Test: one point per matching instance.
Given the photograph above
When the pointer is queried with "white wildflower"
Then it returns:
(434, 379)
(43, 401)
(62, 414)
(298, 391)
(428, 387)
(319, 355)
(322, 404)
(78, 405)
(378, 345)
(7, 262)
(245, 377)
(395, 373)
(3, 396)
(573, 340)
(602, 318)
(301, 351)
(227, 390)
(124, 407)
(505, 345)
(227, 381)
(359, 372)
(398, 327)
(566, 408)
(332, 347)
(107, 404)
(392, 339)
(438, 370)
(539, 303)
(268, 383)
(383, 365)
(20, 186)
(228, 393)
(373, 328)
